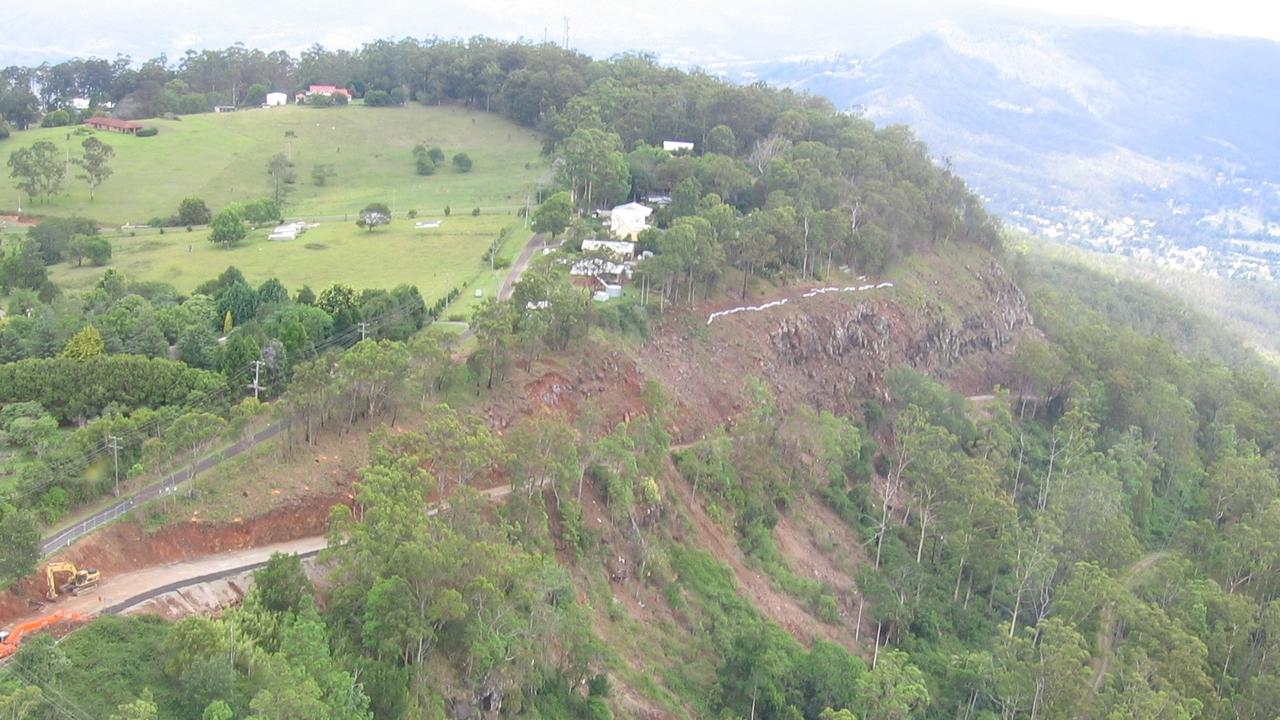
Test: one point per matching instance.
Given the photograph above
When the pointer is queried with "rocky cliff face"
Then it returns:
(831, 350)
(956, 319)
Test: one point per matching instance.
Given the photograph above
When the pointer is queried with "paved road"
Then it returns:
(169, 484)
(118, 593)
(160, 488)
(508, 284)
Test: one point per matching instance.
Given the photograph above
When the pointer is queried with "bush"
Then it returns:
(57, 118)
(147, 132)
(4, 130)
(340, 99)
(193, 104)
(319, 100)
(475, 212)
(462, 162)
(377, 98)
(446, 211)
(263, 211)
(193, 211)
(412, 214)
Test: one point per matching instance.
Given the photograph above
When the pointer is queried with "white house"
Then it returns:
(615, 249)
(276, 99)
(677, 146)
(627, 221)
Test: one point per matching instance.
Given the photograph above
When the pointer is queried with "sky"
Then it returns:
(684, 32)
(1250, 18)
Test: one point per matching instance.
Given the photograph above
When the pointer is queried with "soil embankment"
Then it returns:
(121, 552)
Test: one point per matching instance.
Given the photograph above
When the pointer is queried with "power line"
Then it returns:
(65, 467)
(257, 367)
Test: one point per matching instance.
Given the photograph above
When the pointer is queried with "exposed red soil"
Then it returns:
(126, 546)
(818, 545)
(774, 604)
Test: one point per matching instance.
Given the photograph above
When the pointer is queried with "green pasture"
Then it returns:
(223, 158)
(434, 259)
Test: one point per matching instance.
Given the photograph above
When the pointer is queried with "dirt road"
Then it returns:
(118, 593)
(1106, 628)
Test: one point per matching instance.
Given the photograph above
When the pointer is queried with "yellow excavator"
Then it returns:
(77, 579)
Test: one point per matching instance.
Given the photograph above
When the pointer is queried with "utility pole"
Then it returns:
(257, 367)
(364, 330)
(113, 442)
(526, 209)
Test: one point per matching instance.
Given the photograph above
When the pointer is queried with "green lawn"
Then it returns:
(435, 259)
(223, 158)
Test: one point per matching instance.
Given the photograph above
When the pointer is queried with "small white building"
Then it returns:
(288, 231)
(677, 146)
(626, 222)
(617, 250)
(276, 99)
(80, 103)
(602, 270)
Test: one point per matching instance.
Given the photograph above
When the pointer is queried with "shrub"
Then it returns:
(193, 104)
(4, 130)
(377, 98)
(446, 211)
(436, 155)
(193, 211)
(475, 212)
(147, 132)
(412, 214)
(462, 162)
(340, 99)
(319, 100)
(57, 118)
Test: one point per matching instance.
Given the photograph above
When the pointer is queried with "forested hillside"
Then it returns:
(834, 454)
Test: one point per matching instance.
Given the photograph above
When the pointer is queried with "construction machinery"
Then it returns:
(11, 639)
(77, 579)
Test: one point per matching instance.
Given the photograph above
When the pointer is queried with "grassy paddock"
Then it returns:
(435, 260)
(223, 158)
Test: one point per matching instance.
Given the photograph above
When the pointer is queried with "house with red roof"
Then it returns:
(322, 90)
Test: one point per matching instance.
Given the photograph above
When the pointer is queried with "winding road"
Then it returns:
(1106, 627)
(169, 484)
(120, 592)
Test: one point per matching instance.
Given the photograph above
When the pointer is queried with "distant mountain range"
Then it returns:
(1143, 142)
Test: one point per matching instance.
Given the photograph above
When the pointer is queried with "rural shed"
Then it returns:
(276, 99)
(106, 123)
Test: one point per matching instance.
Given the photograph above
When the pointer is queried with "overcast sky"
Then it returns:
(689, 31)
